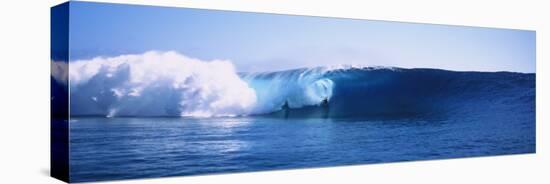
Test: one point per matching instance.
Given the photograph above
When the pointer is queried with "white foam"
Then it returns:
(156, 84)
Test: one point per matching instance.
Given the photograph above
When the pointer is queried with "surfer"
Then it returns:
(324, 103)
(285, 108)
(325, 108)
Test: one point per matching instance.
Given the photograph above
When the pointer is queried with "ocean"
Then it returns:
(373, 115)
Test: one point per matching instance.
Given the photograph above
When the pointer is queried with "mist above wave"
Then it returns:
(157, 84)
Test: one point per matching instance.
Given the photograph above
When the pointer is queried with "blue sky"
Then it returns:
(265, 42)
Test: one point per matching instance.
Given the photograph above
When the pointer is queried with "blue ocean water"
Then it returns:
(370, 116)
(124, 148)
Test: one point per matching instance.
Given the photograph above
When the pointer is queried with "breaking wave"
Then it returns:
(171, 84)
(157, 84)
